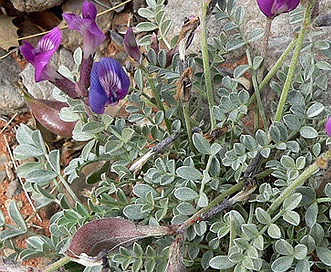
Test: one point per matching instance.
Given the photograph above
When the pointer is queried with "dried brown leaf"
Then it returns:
(8, 33)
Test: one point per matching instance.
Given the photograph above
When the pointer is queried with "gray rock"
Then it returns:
(73, 39)
(11, 100)
(44, 89)
(35, 5)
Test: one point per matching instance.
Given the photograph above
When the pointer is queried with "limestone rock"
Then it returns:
(35, 5)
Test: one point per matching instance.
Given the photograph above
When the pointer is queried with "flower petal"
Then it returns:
(328, 126)
(272, 8)
(89, 10)
(130, 45)
(109, 84)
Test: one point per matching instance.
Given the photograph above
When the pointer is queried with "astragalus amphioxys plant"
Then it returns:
(182, 182)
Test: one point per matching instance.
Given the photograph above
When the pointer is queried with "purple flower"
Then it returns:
(41, 55)
(130, 45)
(86, 25)
(328, 126)
(272, 8)
(109, 84)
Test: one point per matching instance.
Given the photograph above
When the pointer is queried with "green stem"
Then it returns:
(206, 67)
(157, 97)
(58, 264)
(299, 181)
(277, 65)
(187, 123)
(295, 57)
(257, 93)
(194, 218)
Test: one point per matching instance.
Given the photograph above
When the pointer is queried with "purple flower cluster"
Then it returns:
(272, 8)
(106, 80)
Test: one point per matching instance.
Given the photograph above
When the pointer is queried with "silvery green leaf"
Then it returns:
(300, 251)
(201, 144)
(323, 65)
(54, 160)
(308, 132)
(134, 211)
(262, 216)
(162, 58)
(203, 200)
(40, 176)
(311, 214)
(283, 247)
(185, 208)
(145, 40)
(302, 265)
(274, 231)
(25, 151)
(165, 26)
(78, 55)
(255, 35)
(315, 109)
(221, 262)
(322, 81)
(282, 264)
(324, 254)
(64, 71)
(146, 13)
(309, 70)
(240, 15)
(292, 217)
(138, 79)
(292, 121)
(16, 216)
(189, 173)
(261, 137)
(240, 70)
(327, 190)
(321, 45)
(257, 61)
(185, 194)
(146, 26)
(234, 44)
(141, 190)
(2, 219)
(250, 230)
(292, 201)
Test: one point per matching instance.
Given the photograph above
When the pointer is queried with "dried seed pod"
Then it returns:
(47, 112)
(95, 239)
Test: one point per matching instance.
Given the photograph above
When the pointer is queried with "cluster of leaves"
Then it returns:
(178, 181)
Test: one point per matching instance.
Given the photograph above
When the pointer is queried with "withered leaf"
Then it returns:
(92, 241)
(8, 33)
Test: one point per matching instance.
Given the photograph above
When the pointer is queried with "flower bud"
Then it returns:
(272, 8)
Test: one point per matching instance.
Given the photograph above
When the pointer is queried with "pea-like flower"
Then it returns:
(86, 25)
(41, 55)
(130, 45)
(272, 8)
(328, 126)
(109, 84)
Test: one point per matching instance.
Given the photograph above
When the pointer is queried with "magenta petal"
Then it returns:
(40, 56)
(328, 126)
(272, 8)
(89, 10)
(130, 45)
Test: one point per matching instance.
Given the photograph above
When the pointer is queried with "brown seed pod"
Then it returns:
(47, 112)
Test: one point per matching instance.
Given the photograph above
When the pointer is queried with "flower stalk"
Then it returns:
(295, 58)
(206, 66)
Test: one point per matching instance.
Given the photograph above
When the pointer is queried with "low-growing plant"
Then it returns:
(194, 176)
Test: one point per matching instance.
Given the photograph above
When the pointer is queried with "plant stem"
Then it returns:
(57, 264)
(194, 218)
(256, 92)
(206, 67)
(278, 63)
(295, 57)
(157, 97)
(299, 181)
